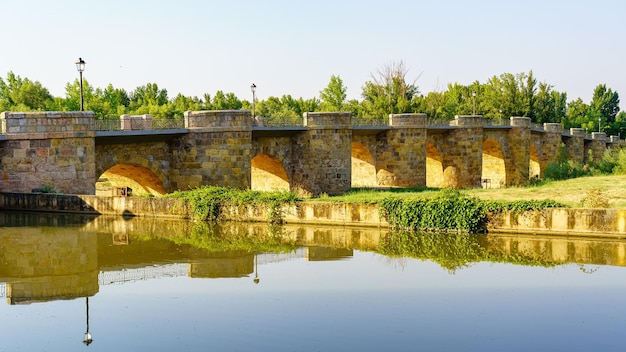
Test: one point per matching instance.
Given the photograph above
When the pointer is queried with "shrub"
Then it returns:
(595, 198)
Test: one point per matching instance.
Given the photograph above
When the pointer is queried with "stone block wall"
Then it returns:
(462, 153)
(596, 147)
(322, 153)
(48, 150)
(401, 152)
(575, 145)
(216, 151)
(136, 122)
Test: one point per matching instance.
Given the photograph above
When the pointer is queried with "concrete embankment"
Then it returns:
(610, 223)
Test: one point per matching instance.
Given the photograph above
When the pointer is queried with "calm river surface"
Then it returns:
(164, 285)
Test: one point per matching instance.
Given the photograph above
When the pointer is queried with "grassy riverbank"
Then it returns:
(573, 192)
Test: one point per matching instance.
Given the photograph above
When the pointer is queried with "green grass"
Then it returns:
(570, 192)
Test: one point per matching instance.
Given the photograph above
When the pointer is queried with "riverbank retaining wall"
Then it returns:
(610, 223)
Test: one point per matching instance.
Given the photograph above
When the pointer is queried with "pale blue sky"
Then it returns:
(293, 47)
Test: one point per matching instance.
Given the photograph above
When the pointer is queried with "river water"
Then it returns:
(164, 285)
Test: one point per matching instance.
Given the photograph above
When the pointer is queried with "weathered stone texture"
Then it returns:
(401, 152)
(324, 151)
(48, 149)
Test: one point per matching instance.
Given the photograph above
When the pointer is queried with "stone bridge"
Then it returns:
(71, 152)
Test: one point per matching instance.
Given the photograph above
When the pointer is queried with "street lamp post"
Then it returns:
(80, 66)
(474, 101)
(599, 123)
(253, 89)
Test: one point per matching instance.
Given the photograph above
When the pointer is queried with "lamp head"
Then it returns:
(80, 65)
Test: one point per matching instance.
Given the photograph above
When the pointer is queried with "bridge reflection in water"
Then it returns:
(48, 257)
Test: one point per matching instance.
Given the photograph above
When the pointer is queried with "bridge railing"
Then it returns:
(285, 121)
(108, 125)
(378, 121)
(437, 122)
(166, 124)
(497, 122)
(115, 124)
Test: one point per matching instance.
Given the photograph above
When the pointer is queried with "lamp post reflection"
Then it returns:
(256, 271)
(88, 339)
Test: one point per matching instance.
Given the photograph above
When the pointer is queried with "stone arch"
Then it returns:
(139, 178)
(363, 166)
(493, 167)
(268, 174)
(534, 169)
(434, 167)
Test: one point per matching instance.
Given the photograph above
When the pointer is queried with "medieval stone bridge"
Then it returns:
(326, 153)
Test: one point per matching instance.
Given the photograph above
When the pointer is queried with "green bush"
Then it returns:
(207, 202)
(448, 210)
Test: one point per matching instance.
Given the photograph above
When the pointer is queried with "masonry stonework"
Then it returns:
(401, 152)
(215, 152)
(52, 150)
(323, 164)
(462, 153)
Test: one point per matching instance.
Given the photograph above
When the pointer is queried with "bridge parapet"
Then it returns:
(520, 121)
(136, 122)
(553, 127)
(577, 132)
(39, 125)
(407, 120)
(467, 120)
(328, 120)
(600, 136)
(218, 119)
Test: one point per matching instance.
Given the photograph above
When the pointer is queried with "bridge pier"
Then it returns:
(323, 153)
(401, 152)
(595, 148)
(462, 156)
(575, 145)
(518, 164)
(215, 152)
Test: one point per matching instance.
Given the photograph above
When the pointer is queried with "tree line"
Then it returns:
(388, 91)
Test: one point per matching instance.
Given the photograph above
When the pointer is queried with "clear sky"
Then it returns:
(293, 47)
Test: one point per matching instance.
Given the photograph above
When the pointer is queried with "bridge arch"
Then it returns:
(139, 178)
(434, 167)
(268, 174)
(534, 170)
(493, 166)
(363, 166)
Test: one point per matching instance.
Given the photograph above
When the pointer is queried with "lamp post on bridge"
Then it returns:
(80, 66)
(474, 101)
(253, 89)
(599, 124)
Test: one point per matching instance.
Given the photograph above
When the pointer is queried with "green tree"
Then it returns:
(90, 100)
(603, 108)
(148, 94)
(389, 92)
(17, 93)
(333, 97)
(577, 114)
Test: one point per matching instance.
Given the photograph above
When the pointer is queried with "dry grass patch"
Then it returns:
(571, 192)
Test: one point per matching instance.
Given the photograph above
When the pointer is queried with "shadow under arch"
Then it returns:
(493, 167)
(139, 178)
(534, 167)
(434, 167)
(268, 174)
(363, 166)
